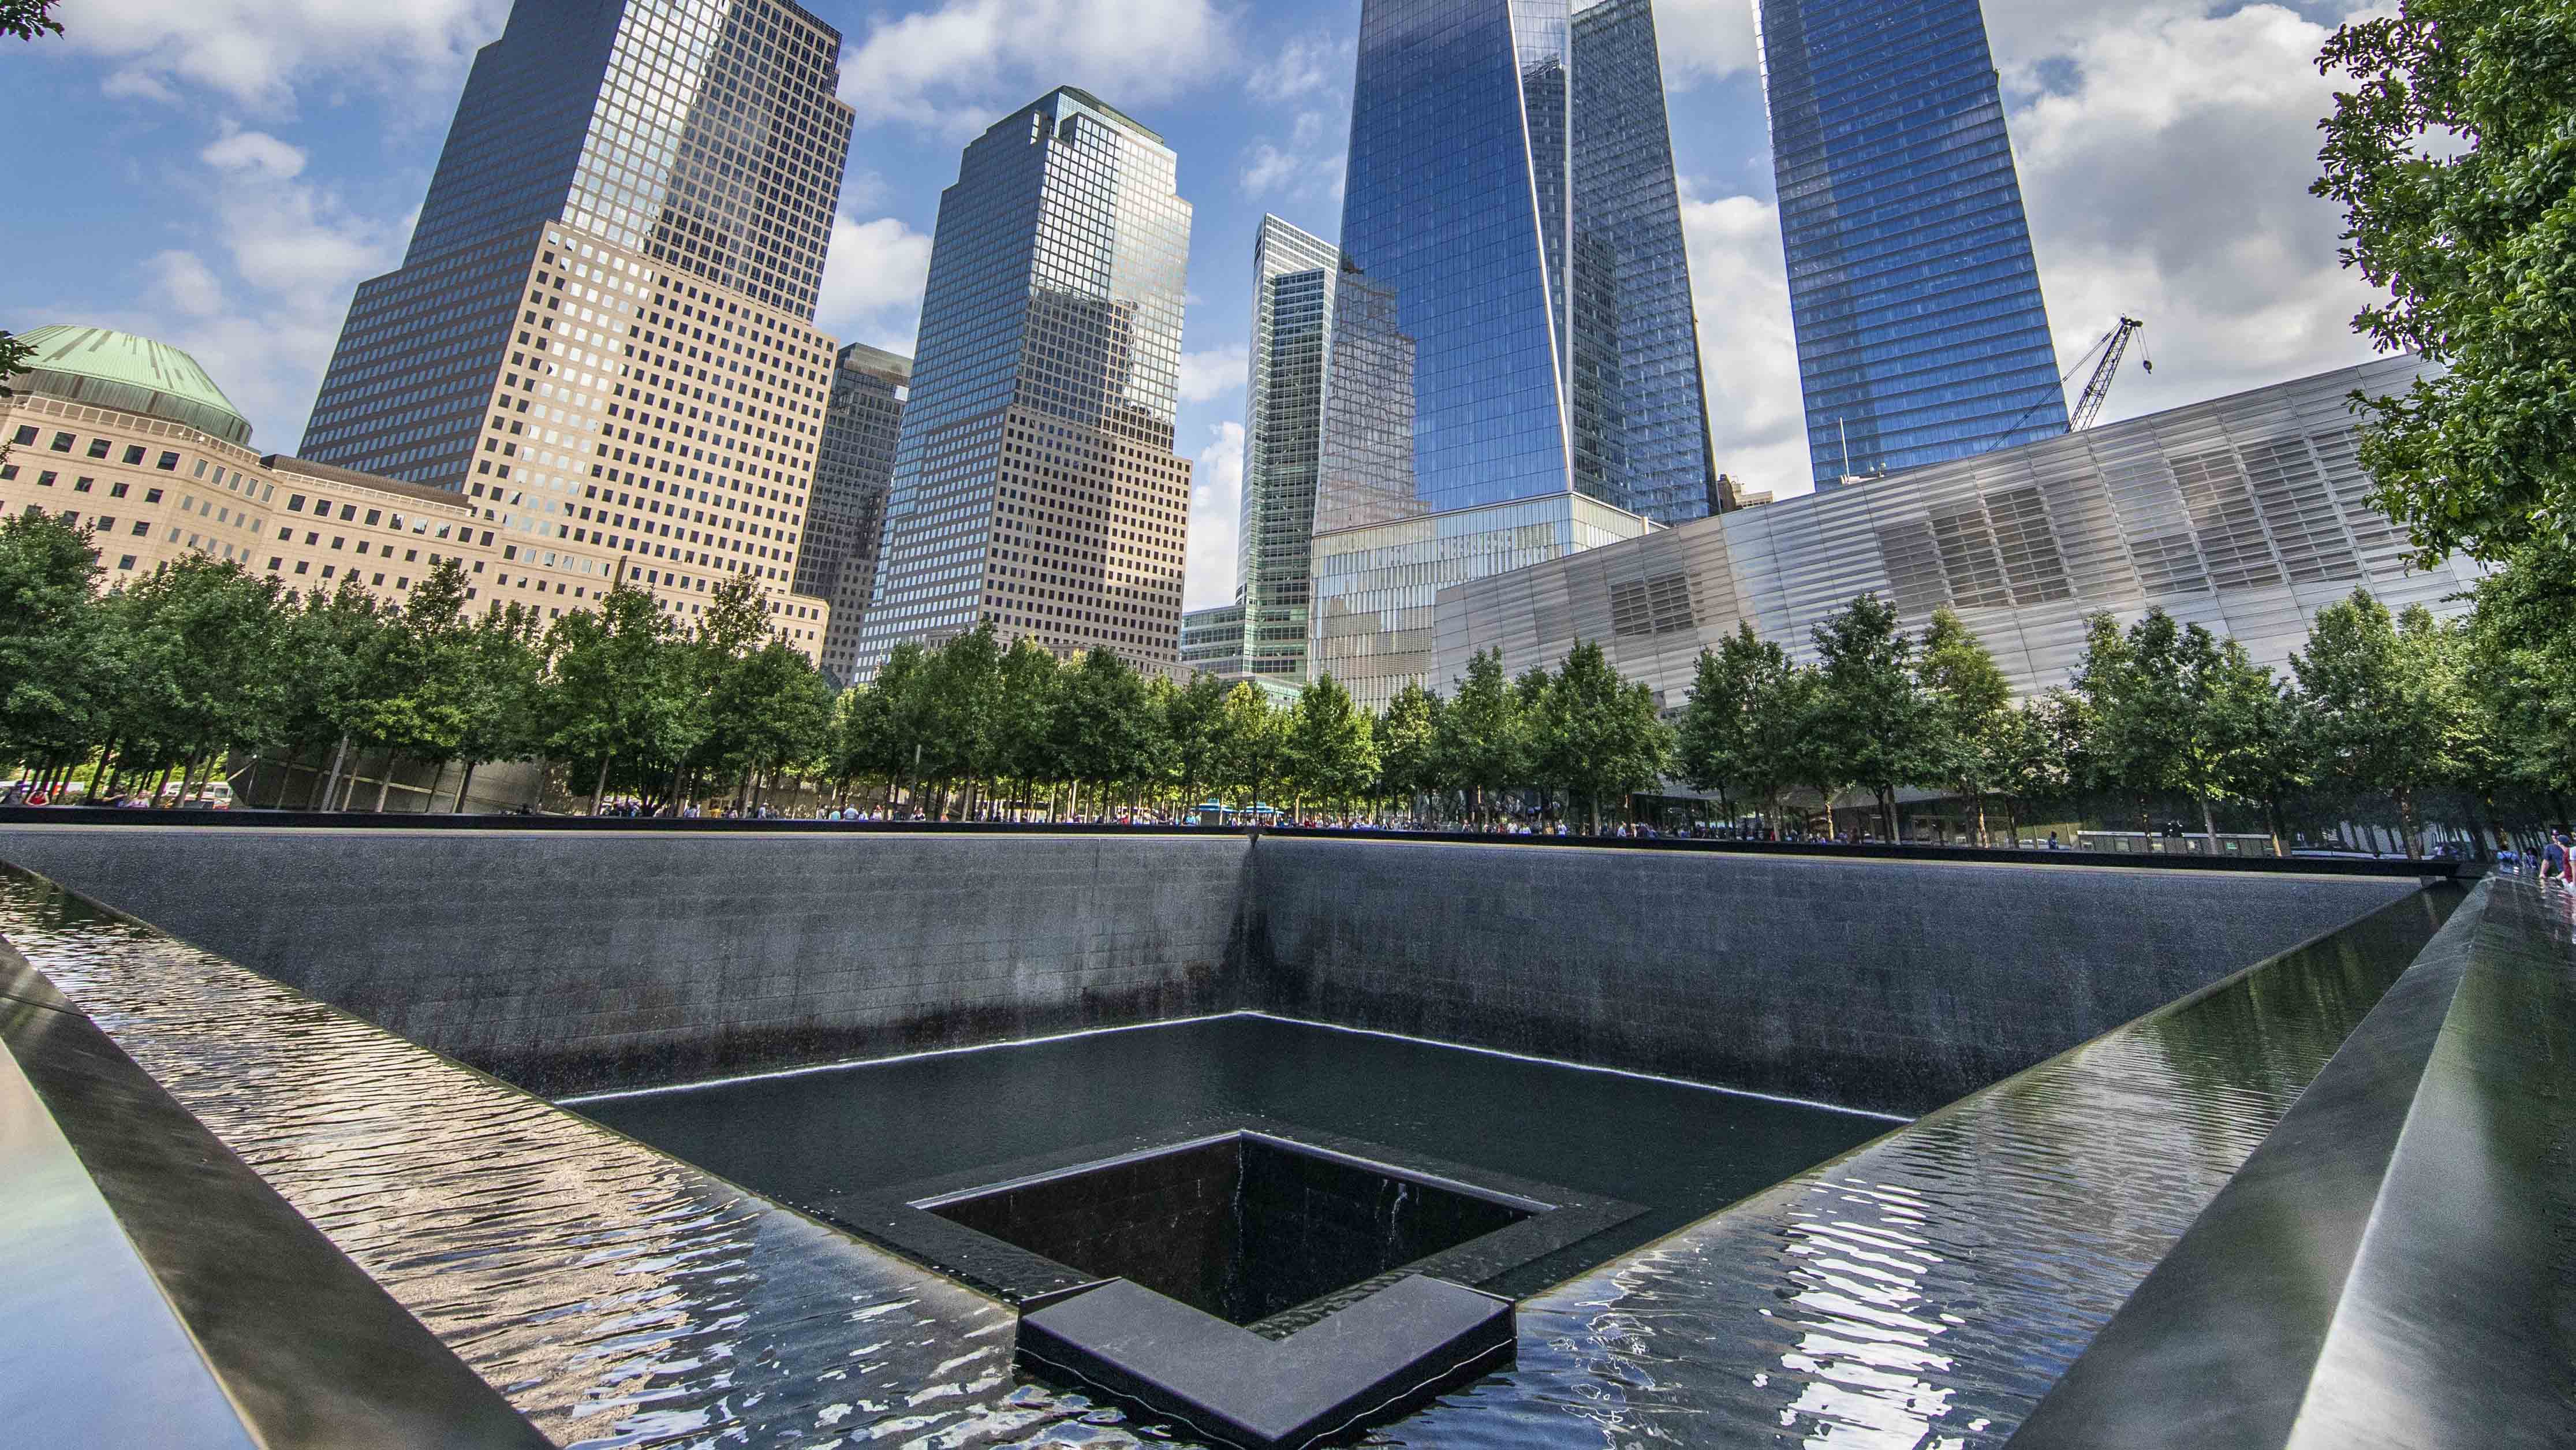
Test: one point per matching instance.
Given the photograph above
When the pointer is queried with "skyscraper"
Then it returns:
(1921, 333)
(602, 332)
(853, 472)
(1294, 278)
(1035, 486)
(1636, 335)
(1513, 346)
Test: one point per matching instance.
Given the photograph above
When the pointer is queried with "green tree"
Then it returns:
(27, 19)
(1872, 722)
(1740, 731)
(2263, 740)
(1408, 747)
(196, 670)
(2449, 157)
(1971, 708)
(53, 658)
(2519, 671)
(1193, 720)
(2386, 712)
(1251, 746)
(422, 702)
(612, 693)
(330, 652)
(1597, 737)
(1106, 730)
(1329, 748)
(502, 670)
(1481, 745)
(2035, 757)
(1030, 680)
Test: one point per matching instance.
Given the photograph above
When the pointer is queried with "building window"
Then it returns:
(8, 471)
(340, 541)
(295, 503)
(378, 581)
(125, 562)
(46, 479)
(286, 536)
(24, 436)
(142, 528)
(81, 485)
(329, 569)
(303, 564)
(167, 463)
(348, 511)
(274, 564)
(116, 490)
(62, 443)
(151, 495)
(133, 453)
(98, 448)
(375, 517)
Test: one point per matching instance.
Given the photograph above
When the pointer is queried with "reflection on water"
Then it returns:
(620, 1299)
(1923, 1293)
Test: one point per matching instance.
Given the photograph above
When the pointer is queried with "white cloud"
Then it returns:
(254, 51)
(257, 152)
(1216, 509)
(187, 283)
(1303, 67)
(1748, 353)
(1308, 165)
(2169, 180)
(1207, 376)
(955, 68)
(872, 283)
(1703, 39)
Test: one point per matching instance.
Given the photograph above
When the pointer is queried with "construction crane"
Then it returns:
(2112, 349)
(2114, 346)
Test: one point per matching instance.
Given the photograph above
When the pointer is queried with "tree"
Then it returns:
(2035, 756)
(1192, 721)
(423, 700)
(2449, 157)
(1107, 730)
(27, 19)
(1408, 747)
(1971, 709)
(2519, 671)
(329, 652)
(1328, 748)
(1480, 736)
(1596, 736)
(2386, 712)
(1030, 683)
(195, 672)
(1739, 732)
(52, 641)
(1872, 722)
(610, 696)
(502, 669)
(2263, 740)
(1251, 745)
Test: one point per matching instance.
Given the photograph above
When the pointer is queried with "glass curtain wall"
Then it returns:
(1922, 336)
(1294, 279)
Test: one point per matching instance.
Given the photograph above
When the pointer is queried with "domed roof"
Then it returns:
(119, 370)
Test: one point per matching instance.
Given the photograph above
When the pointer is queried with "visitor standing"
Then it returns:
(2554, 861)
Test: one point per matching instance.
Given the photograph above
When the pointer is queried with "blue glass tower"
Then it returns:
(1921, 333)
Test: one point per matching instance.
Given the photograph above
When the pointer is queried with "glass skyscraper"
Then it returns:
(1294, 278)
(1035, 486)
(853, 472)
(1513, 322)
(1921, 333)
(603, 330)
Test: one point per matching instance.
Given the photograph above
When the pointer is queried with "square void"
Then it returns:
(1242, 1227)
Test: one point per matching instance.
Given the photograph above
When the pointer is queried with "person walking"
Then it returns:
(2554, 861)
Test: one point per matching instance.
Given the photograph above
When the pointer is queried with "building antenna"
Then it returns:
(1845, 425)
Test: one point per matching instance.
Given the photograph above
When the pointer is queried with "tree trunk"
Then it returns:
(2406, 823)
(2209, 825)
(599, 791)
(462, 786)
(1984, 838)
(160, 785)
(385, 785)
(339, 754)
(93, 797)
(2280, 837)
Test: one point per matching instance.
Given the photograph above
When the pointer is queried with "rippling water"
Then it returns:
(619, 1298)
(1924, 1293)
(1921, 1293)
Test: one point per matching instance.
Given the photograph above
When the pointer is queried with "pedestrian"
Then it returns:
(2554, 861)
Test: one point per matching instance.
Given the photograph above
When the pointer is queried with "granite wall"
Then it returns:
(566, 962)
(569, 961)
(1896, 986)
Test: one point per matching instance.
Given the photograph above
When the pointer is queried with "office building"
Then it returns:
(853, 472)
(1212, 642)
(602, 334)
(1513, 322)
(1641, 405)
(131, 439)
(1294, 278)
(1921, 334)
(1035, 486)
(2245, 514)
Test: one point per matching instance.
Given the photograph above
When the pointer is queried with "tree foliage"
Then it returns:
(2450, 155)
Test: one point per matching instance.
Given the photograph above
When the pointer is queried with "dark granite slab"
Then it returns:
(1380, 1356)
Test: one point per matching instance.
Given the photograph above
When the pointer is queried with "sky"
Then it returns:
(219, 174)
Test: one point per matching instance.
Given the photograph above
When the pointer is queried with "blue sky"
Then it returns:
(220, 173)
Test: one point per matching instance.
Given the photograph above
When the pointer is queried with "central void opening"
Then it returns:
(870, 1145)
(1242, 1227)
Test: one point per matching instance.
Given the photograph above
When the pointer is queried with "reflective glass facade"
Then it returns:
(1455, 209)
(853, 472)
(1035, 485)
(1921, 333)
(1641, 411)
(1377, 587)
(2245, 514)
(602, 332)
(1294, 279)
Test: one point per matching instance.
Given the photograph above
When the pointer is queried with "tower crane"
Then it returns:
(2114, 346)
(2112, 349)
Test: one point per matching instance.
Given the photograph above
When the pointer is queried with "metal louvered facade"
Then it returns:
(2246, 514)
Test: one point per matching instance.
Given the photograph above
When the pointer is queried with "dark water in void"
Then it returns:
(814, 1139)
(1920, 1293)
